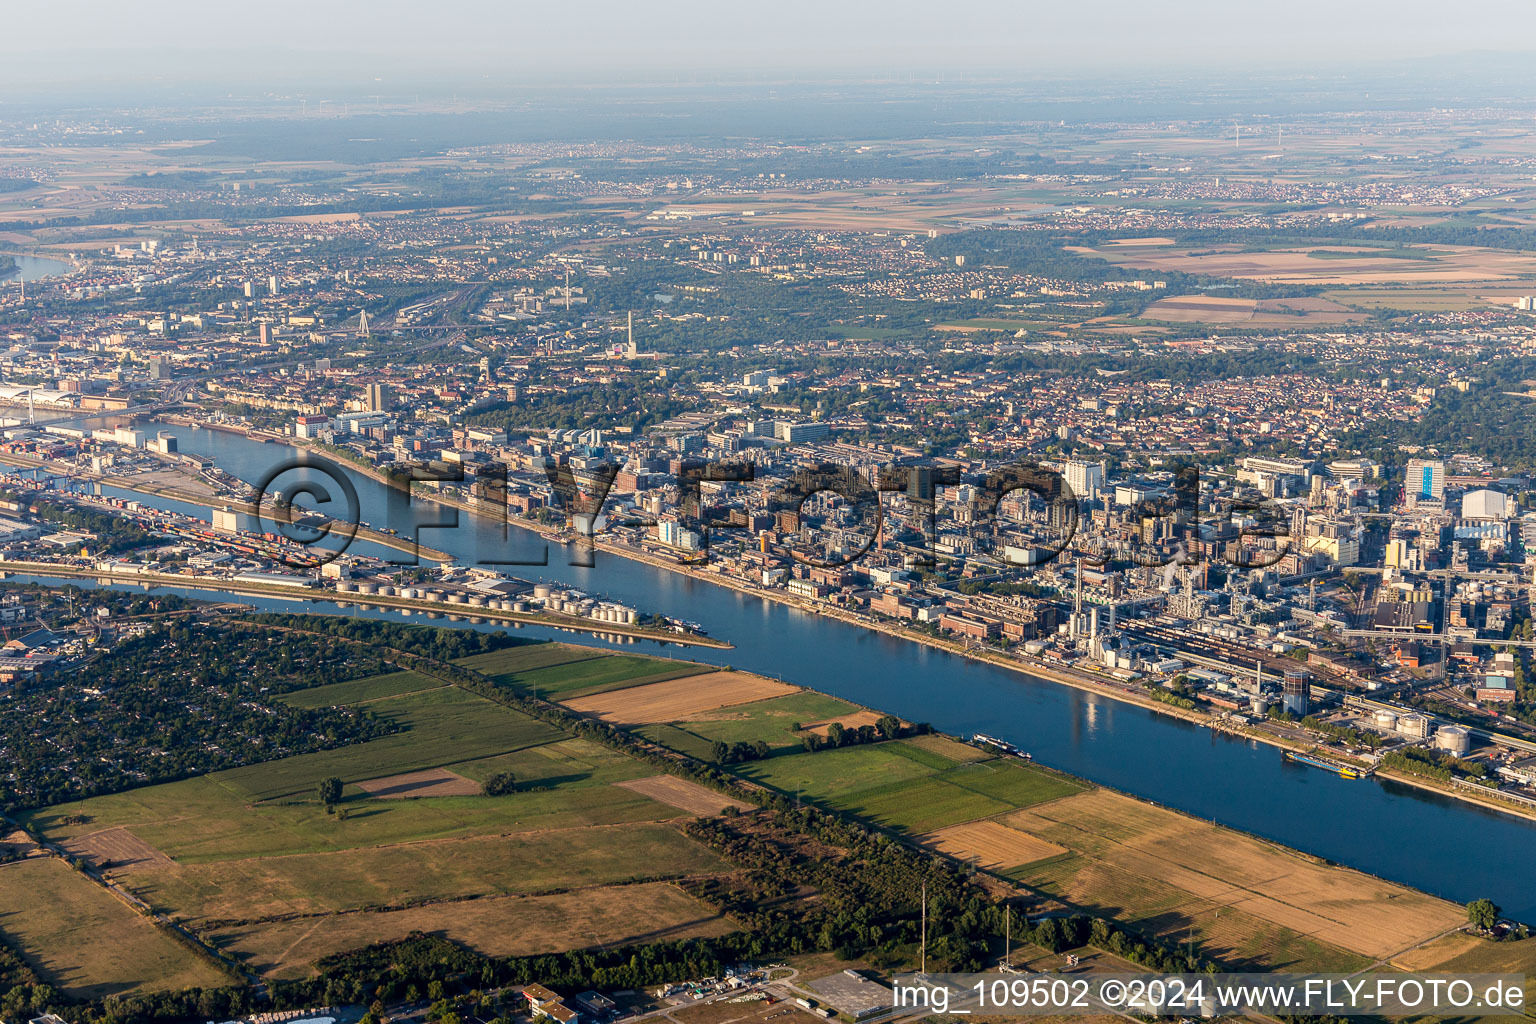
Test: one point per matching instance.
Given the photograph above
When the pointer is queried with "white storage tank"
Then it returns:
(1416, 726)
(1386, 720)
(1453, 738)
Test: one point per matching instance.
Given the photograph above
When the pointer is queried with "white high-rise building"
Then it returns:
(1085, 478)
(1425, 479)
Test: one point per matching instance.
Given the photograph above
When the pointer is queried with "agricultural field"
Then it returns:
(198, 820)
(1326, 264)
(1229, 311)
(405, 873)
(835, 776)
(772, 720)
(116, 848)
(1463, 953)
(683, 794)
(908, 786)
(413, 785)
(920, 806)
(58, 920)
(679, 699)
(1108, 854)
(1431, 298)
(504, 665)
(360, 691)
(565, 763)
(1014, 783)
(496, 926)
(950, 750)
(560, 671)
(439, 727)
(991, 845)
(1134, 861)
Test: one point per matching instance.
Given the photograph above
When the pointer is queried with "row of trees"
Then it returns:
(889, 727)
(23, 994)
(428, 641)
(1442, 766)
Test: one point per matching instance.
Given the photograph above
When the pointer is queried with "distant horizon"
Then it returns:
(1504, 79)
(286, 46)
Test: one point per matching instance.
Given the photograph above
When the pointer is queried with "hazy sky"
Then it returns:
(257, 41)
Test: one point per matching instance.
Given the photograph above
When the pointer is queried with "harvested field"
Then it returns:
(198, 820)
(116, 848)
(1443, 950)
(682, 794)
(1124, 841)
(450, 869)
(19, 843)
(1329, 264)
(86, 941)
(1302, 312)
(1465, 953)
(1204, 309)
(429, 782)
(319, 218)
(678, 699)
(1211, 309)
(990, 845)
(1461, 952)
(495, 926)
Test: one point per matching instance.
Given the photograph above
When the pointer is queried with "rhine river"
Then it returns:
(1444, 846)
(34, 268)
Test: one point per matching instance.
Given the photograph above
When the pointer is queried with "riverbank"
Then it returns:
(432, 609)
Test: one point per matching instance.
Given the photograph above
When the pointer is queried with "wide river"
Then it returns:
(34, 268)
(1441, 845)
